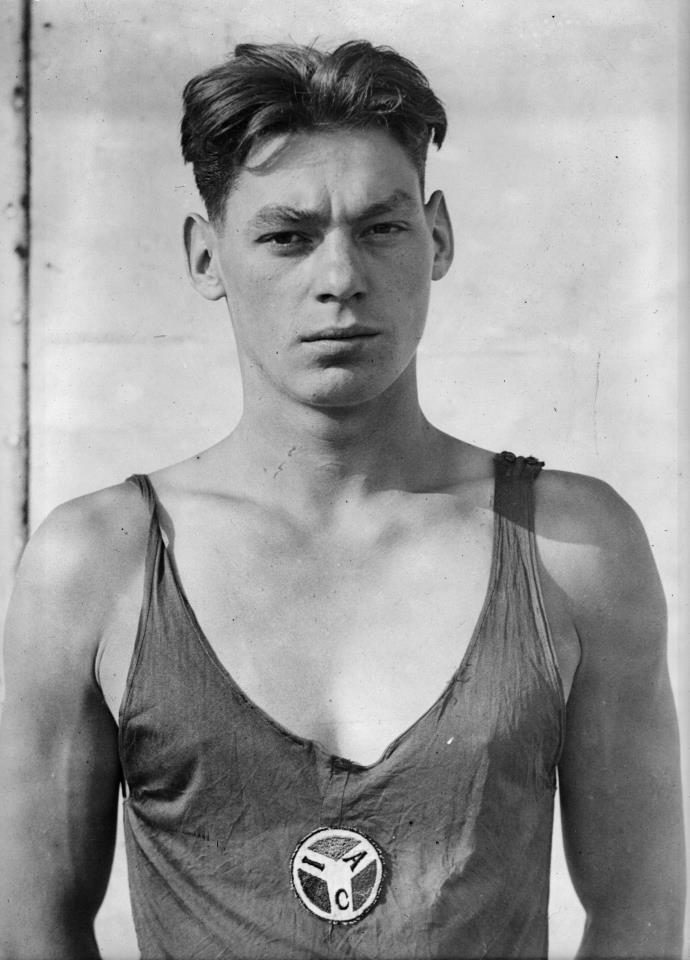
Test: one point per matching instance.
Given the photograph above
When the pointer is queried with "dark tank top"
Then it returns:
(246, 841)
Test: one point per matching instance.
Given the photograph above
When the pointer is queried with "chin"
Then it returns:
(342, 388)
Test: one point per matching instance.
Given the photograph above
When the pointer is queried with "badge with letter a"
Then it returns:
(337, 874)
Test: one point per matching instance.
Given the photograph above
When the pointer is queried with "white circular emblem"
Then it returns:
(337, 874)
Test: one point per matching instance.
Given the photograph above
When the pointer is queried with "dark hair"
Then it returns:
(268, 89)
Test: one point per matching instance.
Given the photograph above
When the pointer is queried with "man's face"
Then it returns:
(326, 257)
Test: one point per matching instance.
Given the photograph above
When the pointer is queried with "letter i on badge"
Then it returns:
(337, 874)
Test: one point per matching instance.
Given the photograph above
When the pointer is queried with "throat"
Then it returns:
(337, 455)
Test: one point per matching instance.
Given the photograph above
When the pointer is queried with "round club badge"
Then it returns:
(337, 874)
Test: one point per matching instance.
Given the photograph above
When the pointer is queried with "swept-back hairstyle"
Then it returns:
(268, 89)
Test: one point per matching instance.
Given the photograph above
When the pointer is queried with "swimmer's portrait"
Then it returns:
(338, 663)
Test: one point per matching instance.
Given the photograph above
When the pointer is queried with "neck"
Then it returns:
(317, 458)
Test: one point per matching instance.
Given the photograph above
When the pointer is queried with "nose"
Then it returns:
(338, 269)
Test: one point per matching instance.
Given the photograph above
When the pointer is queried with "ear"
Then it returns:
(200, 247)
(438, 219)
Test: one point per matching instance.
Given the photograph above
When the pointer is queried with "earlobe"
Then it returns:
(442, 234)
(199, 243)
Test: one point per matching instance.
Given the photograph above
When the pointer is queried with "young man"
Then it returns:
(339, 711)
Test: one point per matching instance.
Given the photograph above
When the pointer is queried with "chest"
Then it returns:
(339, 644)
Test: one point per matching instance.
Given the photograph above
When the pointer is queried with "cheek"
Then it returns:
(413, 266)
(413, 288)
(251, 293)
(271, 290)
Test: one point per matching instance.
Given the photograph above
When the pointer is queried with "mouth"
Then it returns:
(353, 332)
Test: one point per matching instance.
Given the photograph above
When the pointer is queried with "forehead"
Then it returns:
(330, 169)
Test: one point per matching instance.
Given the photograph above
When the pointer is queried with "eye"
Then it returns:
(385, 229)
(285, 239)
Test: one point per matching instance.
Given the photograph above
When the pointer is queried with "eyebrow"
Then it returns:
(278, 214)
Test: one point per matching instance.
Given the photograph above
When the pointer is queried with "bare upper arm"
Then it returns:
(59, 766)
(619, 774)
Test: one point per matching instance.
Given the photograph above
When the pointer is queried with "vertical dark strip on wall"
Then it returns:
(25, 426)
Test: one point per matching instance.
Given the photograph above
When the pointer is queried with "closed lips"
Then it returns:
(340, 333)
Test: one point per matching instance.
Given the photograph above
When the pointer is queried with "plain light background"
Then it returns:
(554, 335)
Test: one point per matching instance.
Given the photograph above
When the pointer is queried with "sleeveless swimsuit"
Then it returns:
(245, 841)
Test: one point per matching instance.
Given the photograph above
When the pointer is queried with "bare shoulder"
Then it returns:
(78, 561)
(104, 529)
(577, 508)
(594, 547)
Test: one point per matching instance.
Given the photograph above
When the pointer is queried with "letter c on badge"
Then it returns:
(341, 895)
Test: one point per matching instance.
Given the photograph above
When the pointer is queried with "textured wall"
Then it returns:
(555, 333)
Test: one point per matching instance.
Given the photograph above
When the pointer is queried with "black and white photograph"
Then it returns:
(343, 494)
